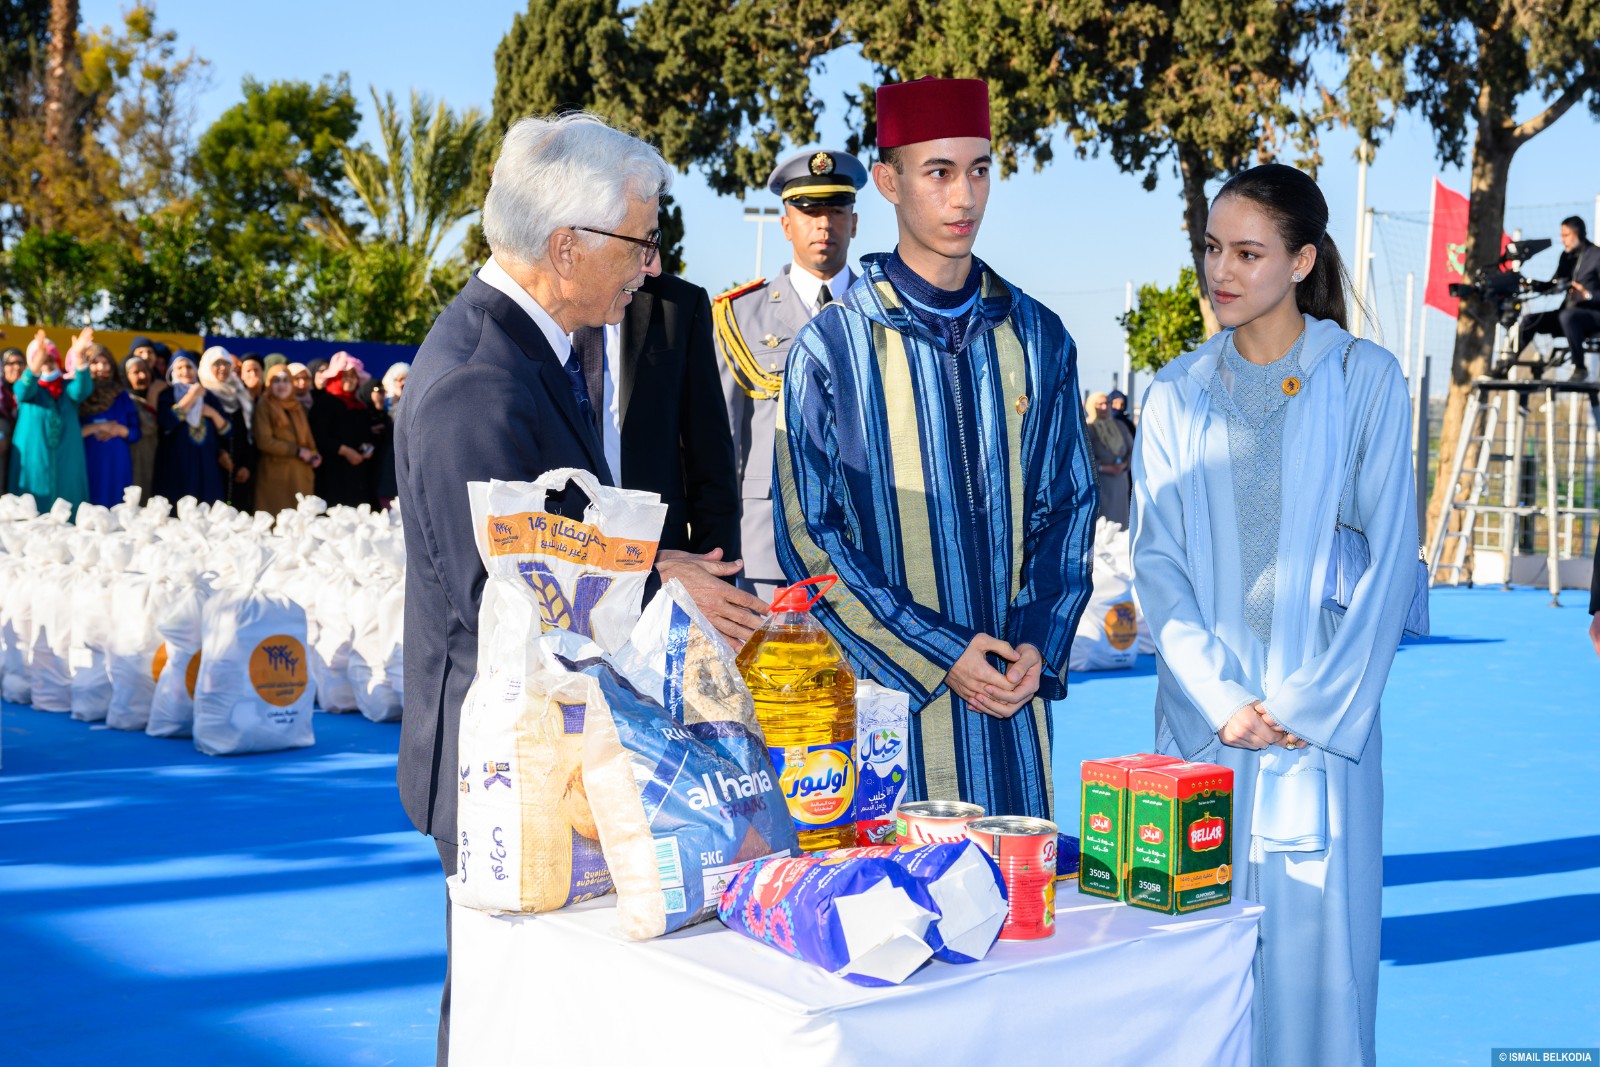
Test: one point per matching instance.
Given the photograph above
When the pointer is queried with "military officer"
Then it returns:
(755, 324)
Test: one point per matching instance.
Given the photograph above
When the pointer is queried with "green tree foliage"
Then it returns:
(24, 26)
(146, 121)
(1469, 66)
(420, 186)
(170, 280)
(270, 170)
(54, 276)
(1189, 85)
(1165, 323)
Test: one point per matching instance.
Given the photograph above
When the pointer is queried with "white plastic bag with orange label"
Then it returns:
(177, 662)
(135, 653)
(254, 692)
(1109, 630)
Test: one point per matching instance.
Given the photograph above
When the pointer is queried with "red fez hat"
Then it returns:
(929, 109)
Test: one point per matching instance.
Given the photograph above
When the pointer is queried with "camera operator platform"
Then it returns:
(1497, 441)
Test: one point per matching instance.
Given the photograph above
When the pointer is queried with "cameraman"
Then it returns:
(1579, 315)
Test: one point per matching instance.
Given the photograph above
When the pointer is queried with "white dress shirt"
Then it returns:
(808, 285)
(495, 276)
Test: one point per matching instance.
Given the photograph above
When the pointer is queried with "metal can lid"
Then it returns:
(1013, 826)
(940, 809)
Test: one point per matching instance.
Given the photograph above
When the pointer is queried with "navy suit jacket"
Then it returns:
(486, 398)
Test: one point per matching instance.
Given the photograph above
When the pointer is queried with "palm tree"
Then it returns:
(418, 188)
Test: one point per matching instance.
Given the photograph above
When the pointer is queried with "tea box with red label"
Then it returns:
(1103, 838)
(1181, 833)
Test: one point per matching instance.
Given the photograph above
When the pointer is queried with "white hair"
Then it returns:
(567, 170)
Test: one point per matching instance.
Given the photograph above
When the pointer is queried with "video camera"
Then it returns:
(1504, 289)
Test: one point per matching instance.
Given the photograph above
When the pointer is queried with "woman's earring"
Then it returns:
(1295, 277)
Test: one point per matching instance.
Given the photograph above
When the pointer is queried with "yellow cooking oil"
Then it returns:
(805, 697)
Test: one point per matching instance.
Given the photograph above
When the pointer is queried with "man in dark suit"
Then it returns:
(495, 392)
(664, 407)
(1578, 318)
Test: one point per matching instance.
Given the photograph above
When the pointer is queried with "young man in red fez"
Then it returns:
(931, 453)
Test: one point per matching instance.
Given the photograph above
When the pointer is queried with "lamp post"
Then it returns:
(760, 216)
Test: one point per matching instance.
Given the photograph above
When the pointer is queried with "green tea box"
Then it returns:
(1102, 834)
(1181, 837)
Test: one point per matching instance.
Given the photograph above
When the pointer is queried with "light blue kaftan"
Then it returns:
(1307, 824)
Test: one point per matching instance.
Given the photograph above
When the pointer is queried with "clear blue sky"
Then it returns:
(1072, 235)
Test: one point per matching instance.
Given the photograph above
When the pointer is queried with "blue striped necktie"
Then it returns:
(580, 389)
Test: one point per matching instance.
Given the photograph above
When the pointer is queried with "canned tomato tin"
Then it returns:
(1025, 851)
(933, 822)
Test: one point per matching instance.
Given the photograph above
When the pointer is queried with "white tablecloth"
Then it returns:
(1115, 985)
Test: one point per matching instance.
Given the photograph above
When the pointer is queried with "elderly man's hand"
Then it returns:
(735, 613)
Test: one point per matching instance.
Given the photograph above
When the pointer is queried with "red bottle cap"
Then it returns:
(798, 598)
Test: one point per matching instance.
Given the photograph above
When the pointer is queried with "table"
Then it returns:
(1115, 985)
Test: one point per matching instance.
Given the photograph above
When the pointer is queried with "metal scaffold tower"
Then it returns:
(1513, 466)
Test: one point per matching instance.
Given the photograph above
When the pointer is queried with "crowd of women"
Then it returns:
(242, 430)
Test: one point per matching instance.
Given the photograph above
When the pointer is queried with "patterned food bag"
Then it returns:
(863, 918)
(677, 771)
(966, 886)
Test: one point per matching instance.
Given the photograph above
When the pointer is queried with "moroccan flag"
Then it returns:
(1447, 248)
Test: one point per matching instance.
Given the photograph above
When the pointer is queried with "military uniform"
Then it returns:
(755, 324)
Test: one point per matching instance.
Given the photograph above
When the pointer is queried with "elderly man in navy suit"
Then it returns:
(496, 392)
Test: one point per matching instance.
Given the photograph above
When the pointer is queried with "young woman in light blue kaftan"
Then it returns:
(1244, 445)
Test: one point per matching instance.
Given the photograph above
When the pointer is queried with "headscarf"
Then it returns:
(8, 399)
(337, 365)
(194, 414)
(1106, 428)
(390, 399)
(232, 395)
(1116, 395)
(305, 401)
(253, 358)
(364, 393)
(127, 366)
(274, 359)
(105, 393)
(288, 416)
(333, 379)
(138, 343)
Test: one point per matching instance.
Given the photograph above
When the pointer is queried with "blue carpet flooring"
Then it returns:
(158, 906)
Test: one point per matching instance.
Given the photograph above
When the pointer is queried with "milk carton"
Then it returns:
(1181, 827)
(883, 738)
(1104, 848)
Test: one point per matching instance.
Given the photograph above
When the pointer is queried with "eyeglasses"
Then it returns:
(651, 242)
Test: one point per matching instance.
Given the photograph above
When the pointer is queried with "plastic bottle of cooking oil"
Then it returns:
(805, 696)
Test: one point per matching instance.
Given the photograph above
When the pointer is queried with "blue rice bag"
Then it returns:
(966, 887)
(679, 805)
(863, 918)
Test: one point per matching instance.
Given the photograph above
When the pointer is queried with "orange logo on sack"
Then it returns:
(159, 663)
(192, 674)
(1122, 626)
(278, 670)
